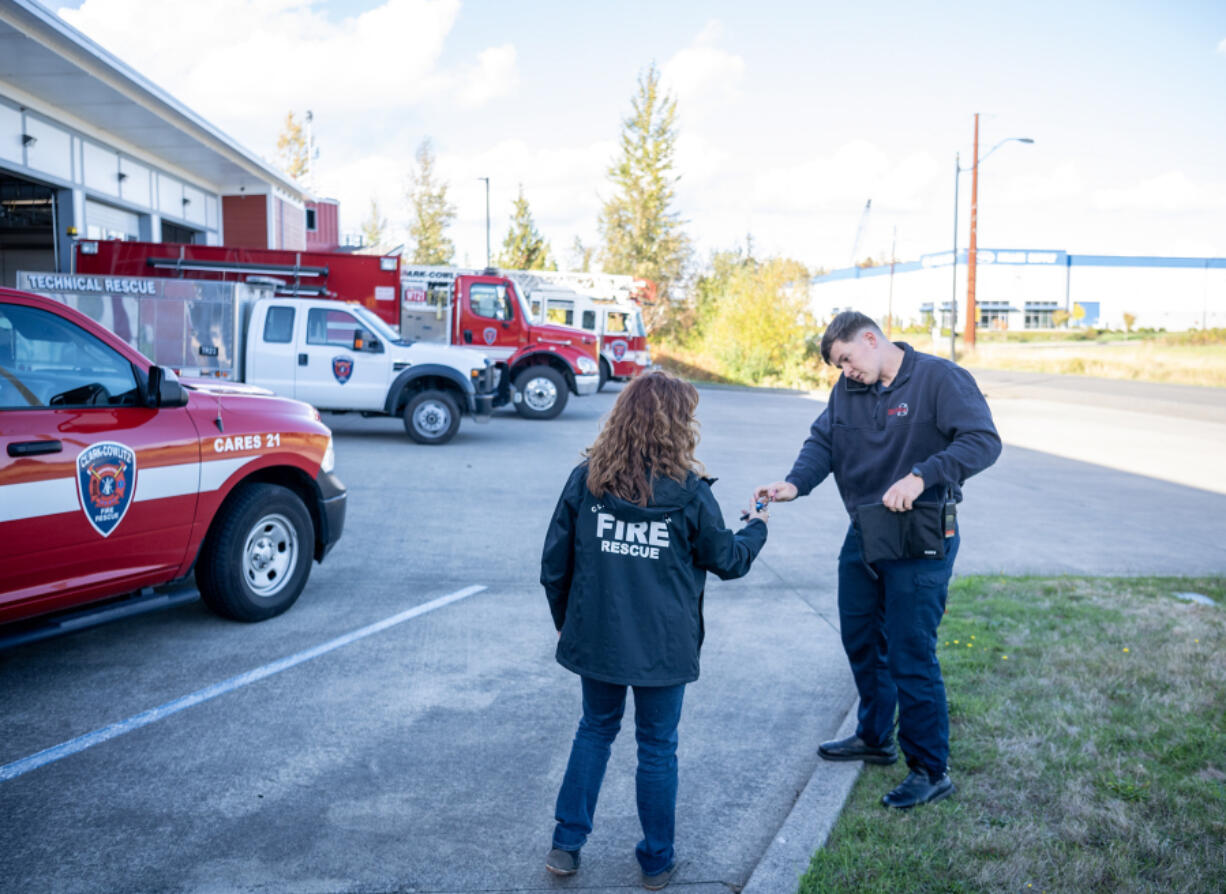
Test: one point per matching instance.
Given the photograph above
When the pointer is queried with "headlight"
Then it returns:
(329, 461)
(587, 365)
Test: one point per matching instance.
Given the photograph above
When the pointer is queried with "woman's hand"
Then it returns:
(760, 514)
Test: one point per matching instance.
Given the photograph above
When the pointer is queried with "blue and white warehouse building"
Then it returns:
(1022, 288)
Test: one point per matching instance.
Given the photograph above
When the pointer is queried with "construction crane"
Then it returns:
(855, 247)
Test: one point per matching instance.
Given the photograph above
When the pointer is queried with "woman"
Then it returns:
(624, 566)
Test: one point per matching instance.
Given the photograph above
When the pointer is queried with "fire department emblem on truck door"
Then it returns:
(342, 368)
(490, 334)
(619, 349)
(106, 481)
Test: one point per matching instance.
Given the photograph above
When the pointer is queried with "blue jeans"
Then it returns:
(657, 709)
(889, 630)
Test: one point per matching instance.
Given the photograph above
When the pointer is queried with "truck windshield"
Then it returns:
(377, 325)
(524, 309)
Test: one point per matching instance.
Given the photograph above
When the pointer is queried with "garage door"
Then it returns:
(108, 222)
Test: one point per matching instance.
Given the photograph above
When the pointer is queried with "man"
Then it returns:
(900, 428)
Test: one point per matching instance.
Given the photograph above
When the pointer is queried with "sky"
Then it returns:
(792, 115)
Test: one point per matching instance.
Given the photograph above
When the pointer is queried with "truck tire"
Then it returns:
(431, 417)
(257, 555)
(543, 392)
(605, 374)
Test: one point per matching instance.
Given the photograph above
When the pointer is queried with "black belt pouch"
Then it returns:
(918, 533)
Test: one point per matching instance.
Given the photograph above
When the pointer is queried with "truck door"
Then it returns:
(617, 343)
(94, 488)
(272, 359)
(341, 365)
(490, 319)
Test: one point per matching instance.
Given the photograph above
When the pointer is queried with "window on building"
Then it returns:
(279, 325)
(181, 235)
(1039, 314)
(310, 220)
(994, 314)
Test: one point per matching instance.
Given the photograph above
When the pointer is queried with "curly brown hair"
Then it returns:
(651, 432)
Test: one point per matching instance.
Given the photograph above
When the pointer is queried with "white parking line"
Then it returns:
(98, 736)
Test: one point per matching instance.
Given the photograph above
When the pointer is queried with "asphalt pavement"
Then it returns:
(425, 753)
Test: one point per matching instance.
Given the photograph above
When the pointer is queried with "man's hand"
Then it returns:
(902, 493)
(779, 492)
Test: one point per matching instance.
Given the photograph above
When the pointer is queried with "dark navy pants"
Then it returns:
(889, 629)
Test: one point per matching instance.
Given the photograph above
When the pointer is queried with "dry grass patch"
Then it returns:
(1088, 734)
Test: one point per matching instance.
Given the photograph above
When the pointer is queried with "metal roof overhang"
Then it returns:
(44, 57)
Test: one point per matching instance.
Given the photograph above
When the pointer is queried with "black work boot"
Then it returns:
(919, 788)
(853, 748)
(561, 862)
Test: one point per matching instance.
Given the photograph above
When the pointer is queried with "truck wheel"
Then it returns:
(257, 555)
(431, 417)
(543, 392)
(605, 374)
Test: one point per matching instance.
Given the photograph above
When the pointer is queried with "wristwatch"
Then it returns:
(915, 470)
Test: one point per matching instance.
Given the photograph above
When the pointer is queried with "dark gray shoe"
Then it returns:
(660, 879)
(918, 788)
(853, 748)
(561, 862)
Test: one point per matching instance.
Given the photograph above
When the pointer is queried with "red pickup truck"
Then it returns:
(115, 476)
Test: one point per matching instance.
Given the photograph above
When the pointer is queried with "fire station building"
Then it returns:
(91, 149)
(1023, 288)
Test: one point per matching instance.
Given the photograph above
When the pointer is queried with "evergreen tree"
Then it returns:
(374, 226)
(524, 248)
(640, 230)
(292, 147)
(581, 256)
(430, 214)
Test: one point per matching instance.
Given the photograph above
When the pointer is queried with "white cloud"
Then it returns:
(1065, 182)
(493, 76)
(1221, 47)
(702, 76)
(285, 54)
(857, 171)
(1171, 191)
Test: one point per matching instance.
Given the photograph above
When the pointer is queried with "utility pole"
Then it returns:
(889, 316)
(972, 313)
(953, 295)
(487, 220)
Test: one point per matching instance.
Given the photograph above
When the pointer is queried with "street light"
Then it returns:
(971, 315)
(487, 220)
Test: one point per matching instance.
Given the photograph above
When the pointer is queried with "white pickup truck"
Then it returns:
(335, 356)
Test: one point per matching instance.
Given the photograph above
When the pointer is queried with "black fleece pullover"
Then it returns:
(932, 415)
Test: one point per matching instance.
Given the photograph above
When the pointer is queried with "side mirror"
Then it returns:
(364, 341)
(165, 390)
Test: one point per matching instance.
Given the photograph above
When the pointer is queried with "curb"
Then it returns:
(809, 822)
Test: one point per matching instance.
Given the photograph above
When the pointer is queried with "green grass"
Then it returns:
(1088, 744)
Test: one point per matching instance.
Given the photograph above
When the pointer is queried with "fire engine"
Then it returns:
(544, 363)
(539, 365)
(117, 476)
(617, 323)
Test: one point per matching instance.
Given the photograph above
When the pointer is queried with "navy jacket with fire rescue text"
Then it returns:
(625, 583)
